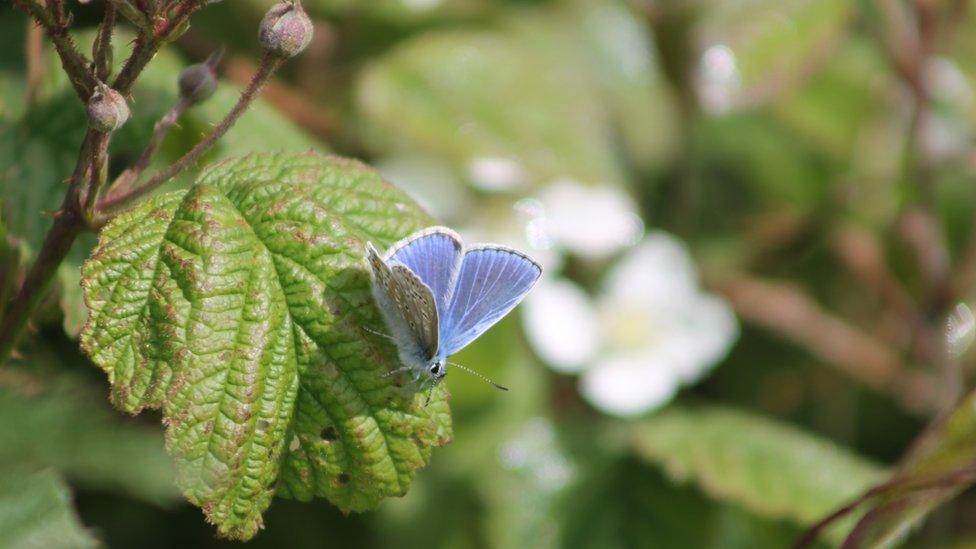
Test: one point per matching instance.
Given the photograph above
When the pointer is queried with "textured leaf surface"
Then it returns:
(36, 513)
(239, 307)
(771, 469)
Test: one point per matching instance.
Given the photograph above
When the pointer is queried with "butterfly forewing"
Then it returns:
(407, 305)
(434, 255)
(491, 282)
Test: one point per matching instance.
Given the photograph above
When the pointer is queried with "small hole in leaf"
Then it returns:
(343, 478)
(329, 434)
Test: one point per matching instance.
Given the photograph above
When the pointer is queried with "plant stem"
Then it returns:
(68, 224)
(123, 183)
(147, 44)
(131, 13)
(120, 199)
(98, 173)
(74, 64)
(103, 44)
(56, 245)
(34, 56)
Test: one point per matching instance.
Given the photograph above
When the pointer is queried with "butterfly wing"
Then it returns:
(434, 255)
(492, 281)
(407, 305)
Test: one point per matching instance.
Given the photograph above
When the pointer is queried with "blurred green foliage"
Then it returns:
(781, 140)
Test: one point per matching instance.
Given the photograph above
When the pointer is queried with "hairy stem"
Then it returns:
(56, 24)
(88, 176)
(103, 44)
(122, 198)
(68, 224)
(147, 44)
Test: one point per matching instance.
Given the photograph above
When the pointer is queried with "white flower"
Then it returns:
(960, 330)
(560, 307)
(592, 221)
(492, 173)
(650, 331)
(717, 79)
(534, 451)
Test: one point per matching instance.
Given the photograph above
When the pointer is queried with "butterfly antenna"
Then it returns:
(476, 374)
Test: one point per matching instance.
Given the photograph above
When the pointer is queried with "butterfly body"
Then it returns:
(436, 297)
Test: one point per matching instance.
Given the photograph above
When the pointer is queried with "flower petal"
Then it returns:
(590, 221)
(628, 386)
(561, 325)
(658, 272)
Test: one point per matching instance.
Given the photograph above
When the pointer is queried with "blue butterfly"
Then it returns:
(436, 297)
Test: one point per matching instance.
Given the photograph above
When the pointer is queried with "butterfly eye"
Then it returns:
(435, 368)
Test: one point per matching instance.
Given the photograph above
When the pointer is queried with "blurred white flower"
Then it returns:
(566, 216)
(650, 331)
(592, 221)
(421, 5)
(960, 330)
(947, 132)
(496, 174)
(560, 307)
(717, 79)
(534, 451)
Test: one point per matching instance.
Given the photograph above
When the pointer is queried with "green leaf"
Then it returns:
(945, 449)
(57, 420)
(776, 45)
(36, 512)
(770, 469)
(624, 503)
(465, 97)
(239, 308)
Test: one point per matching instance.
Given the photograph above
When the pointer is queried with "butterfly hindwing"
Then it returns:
(407, 305)
(491, 282)
(434, 255)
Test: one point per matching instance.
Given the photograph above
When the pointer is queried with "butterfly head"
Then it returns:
(437, 370)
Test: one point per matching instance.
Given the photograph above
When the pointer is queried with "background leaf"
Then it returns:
(946, 448)
(770, 469)
(36, 512)
(56, 421)
(238, 307)
(473, 96)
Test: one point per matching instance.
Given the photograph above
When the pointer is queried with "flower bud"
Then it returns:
(198, 82)
(107, 109)
(286, 29)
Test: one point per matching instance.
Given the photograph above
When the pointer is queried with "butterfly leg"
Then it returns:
(381, 334)
(397, 371)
